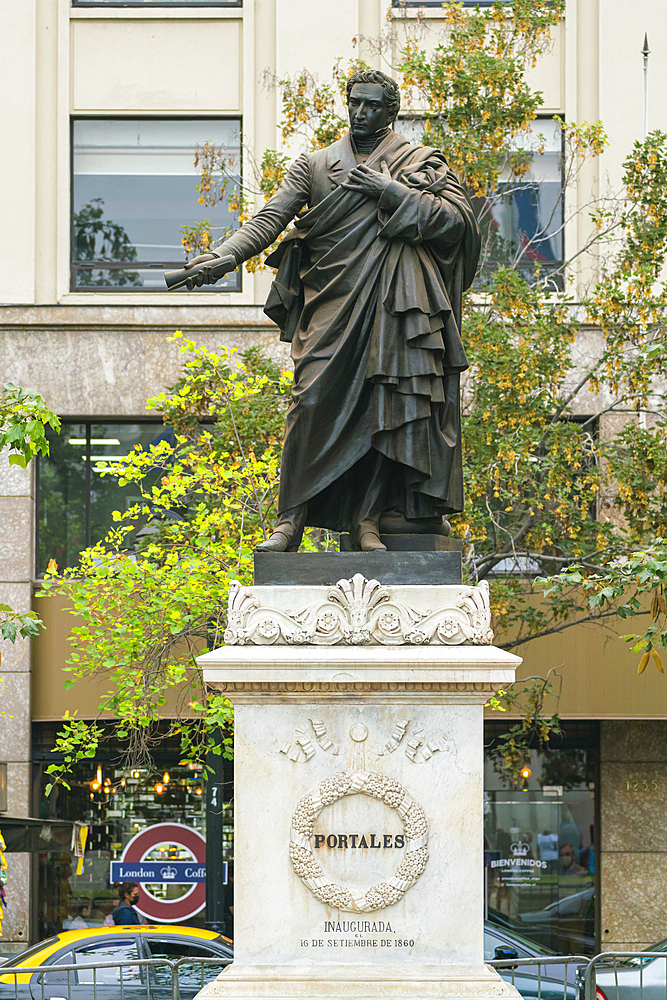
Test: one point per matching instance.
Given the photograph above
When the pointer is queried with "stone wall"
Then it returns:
(107, 360)
(633, 842)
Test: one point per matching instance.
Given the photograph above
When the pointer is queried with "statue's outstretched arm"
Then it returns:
(254, 236)
(266, 226)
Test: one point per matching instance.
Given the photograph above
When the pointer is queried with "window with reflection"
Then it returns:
(75, 499)
(134, 186)
(539, 841)
(123, 951)
(522, 219)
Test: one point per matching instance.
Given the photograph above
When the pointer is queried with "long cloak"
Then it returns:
(369, 293)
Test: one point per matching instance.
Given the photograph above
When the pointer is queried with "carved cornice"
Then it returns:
(306, 687)
(247, 692)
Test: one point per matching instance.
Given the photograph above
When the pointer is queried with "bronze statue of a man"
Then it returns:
(368, 291)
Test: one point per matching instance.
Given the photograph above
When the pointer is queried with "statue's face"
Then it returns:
(367, 109)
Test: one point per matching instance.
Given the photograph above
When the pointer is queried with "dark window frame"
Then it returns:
(88, 422)
(165, 265)
(167, 756)
(192, 4)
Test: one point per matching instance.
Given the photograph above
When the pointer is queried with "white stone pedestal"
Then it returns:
(358, 812)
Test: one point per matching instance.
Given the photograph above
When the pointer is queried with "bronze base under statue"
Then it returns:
(394, 523)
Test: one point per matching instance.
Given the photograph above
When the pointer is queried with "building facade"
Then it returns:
(105, 101)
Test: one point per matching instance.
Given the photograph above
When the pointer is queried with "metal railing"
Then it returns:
(154, 975)
(610, 959)
(138, 974)
(582, 979)
(548, 962)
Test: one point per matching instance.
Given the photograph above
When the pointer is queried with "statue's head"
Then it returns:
(373, 101)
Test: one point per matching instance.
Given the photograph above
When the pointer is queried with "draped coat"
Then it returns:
(368, 292)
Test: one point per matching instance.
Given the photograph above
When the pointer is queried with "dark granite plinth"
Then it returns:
(320, 568)
(411, 543)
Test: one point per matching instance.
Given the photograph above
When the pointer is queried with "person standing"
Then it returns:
(128, 896)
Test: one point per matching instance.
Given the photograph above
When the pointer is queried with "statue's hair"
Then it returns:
(392, 94)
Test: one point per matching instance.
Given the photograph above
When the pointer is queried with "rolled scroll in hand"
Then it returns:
(206, 272)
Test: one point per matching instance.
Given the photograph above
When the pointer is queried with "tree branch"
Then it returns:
(563, 626)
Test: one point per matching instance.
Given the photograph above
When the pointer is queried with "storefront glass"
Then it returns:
(118, 806)
(539, 843)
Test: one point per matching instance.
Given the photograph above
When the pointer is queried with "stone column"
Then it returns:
(16, 569)
(633, 839)
(358, 789)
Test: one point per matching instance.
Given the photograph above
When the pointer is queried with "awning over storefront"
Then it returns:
(27, 836)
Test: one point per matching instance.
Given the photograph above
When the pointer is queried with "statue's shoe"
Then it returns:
(278, 541)
(287, 534)
(369, 537)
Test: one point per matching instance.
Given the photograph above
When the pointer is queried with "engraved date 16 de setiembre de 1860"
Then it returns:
(357, 928)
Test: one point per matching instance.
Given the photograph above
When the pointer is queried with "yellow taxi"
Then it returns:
(203, 953)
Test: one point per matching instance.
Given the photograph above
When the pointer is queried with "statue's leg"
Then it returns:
(376, 488)
(287, 534)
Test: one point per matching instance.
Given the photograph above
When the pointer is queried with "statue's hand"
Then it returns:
(365, 180)
(201, 258)
(218, 267)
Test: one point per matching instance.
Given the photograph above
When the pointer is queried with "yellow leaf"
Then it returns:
(658, 661)
(655, 607)
(643, 663)
(662, 603)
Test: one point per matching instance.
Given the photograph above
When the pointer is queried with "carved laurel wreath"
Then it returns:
(393, 794)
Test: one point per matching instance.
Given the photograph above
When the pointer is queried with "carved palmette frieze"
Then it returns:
(361, 612)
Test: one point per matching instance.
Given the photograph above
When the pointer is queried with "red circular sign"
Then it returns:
(162, 910)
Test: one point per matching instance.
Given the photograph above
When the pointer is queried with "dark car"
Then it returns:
(501, 944)
(569, 919)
